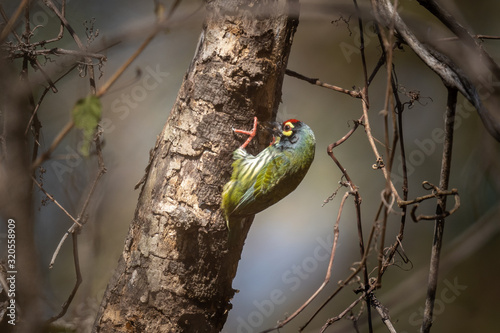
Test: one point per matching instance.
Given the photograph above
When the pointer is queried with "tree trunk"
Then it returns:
(175, 273)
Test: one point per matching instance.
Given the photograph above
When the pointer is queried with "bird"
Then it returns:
(258, 182)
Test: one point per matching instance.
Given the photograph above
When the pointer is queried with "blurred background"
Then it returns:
(286, 253)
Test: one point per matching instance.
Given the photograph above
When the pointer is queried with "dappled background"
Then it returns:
(287, 249)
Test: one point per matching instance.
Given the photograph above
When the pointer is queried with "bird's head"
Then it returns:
(290, 129)
(288, 133)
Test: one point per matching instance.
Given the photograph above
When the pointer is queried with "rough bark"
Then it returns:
(175, 273)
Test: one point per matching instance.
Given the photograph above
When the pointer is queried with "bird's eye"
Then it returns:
(287, 129)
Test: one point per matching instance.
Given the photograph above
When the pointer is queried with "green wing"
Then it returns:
(266, 181)
(242, 178)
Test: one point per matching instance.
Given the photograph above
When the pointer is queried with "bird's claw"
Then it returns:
(251, 134)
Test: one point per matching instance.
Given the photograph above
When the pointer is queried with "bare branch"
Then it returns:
(342, 314)
(478, 36)
(78, 281)
(59, 51)
(383, 312)
(441, 207)
(64, 131)
(317, 82)
(328, 271)
(442, 65)
(55, 201)
(10, 24)
(78, 223)
(162, 24)
(462, 33)
(376, 152)
(436, 193)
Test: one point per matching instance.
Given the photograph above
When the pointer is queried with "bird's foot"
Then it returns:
(251, 133)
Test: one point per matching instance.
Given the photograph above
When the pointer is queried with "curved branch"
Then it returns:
(442, 65)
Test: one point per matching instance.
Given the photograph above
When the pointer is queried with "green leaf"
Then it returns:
(86, 115)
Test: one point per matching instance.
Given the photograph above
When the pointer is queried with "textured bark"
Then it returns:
(175, 273)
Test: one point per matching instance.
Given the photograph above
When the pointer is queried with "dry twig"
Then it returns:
(441, 208)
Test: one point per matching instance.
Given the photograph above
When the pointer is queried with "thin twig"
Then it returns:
(46, 90)
(376, 152)
(59, 51)
(57, 140)
(381, 61)
(6, 19)
(61, 29)
(352, 189)
(162, 23)
(328, 271)
(438, 215)
(38, 67)
(55, 201)
(357, 198)
(479, 233)
(317, 82)
(104, 88)
(399, 238)
(441, 207)
(42, 96)
(346, 281)
(10, 24)
(80, 219)
(449, 72)
(77, 40)
(70, 231)
(25, 79)
(100, 173)
(383, 312)
(65, 22)
(330, 148)
(362, 45)
(78, 281)
(461, 32)
(436, 193)
(387, 49)
(478, 36)
(342, 314)
(357, 203)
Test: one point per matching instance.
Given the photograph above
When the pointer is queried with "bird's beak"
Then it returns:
(276, 128)
(273, 128)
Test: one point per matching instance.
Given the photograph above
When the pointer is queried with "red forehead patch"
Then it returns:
(291, 121)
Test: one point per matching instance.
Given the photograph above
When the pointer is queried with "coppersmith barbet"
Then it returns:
(260, 181)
